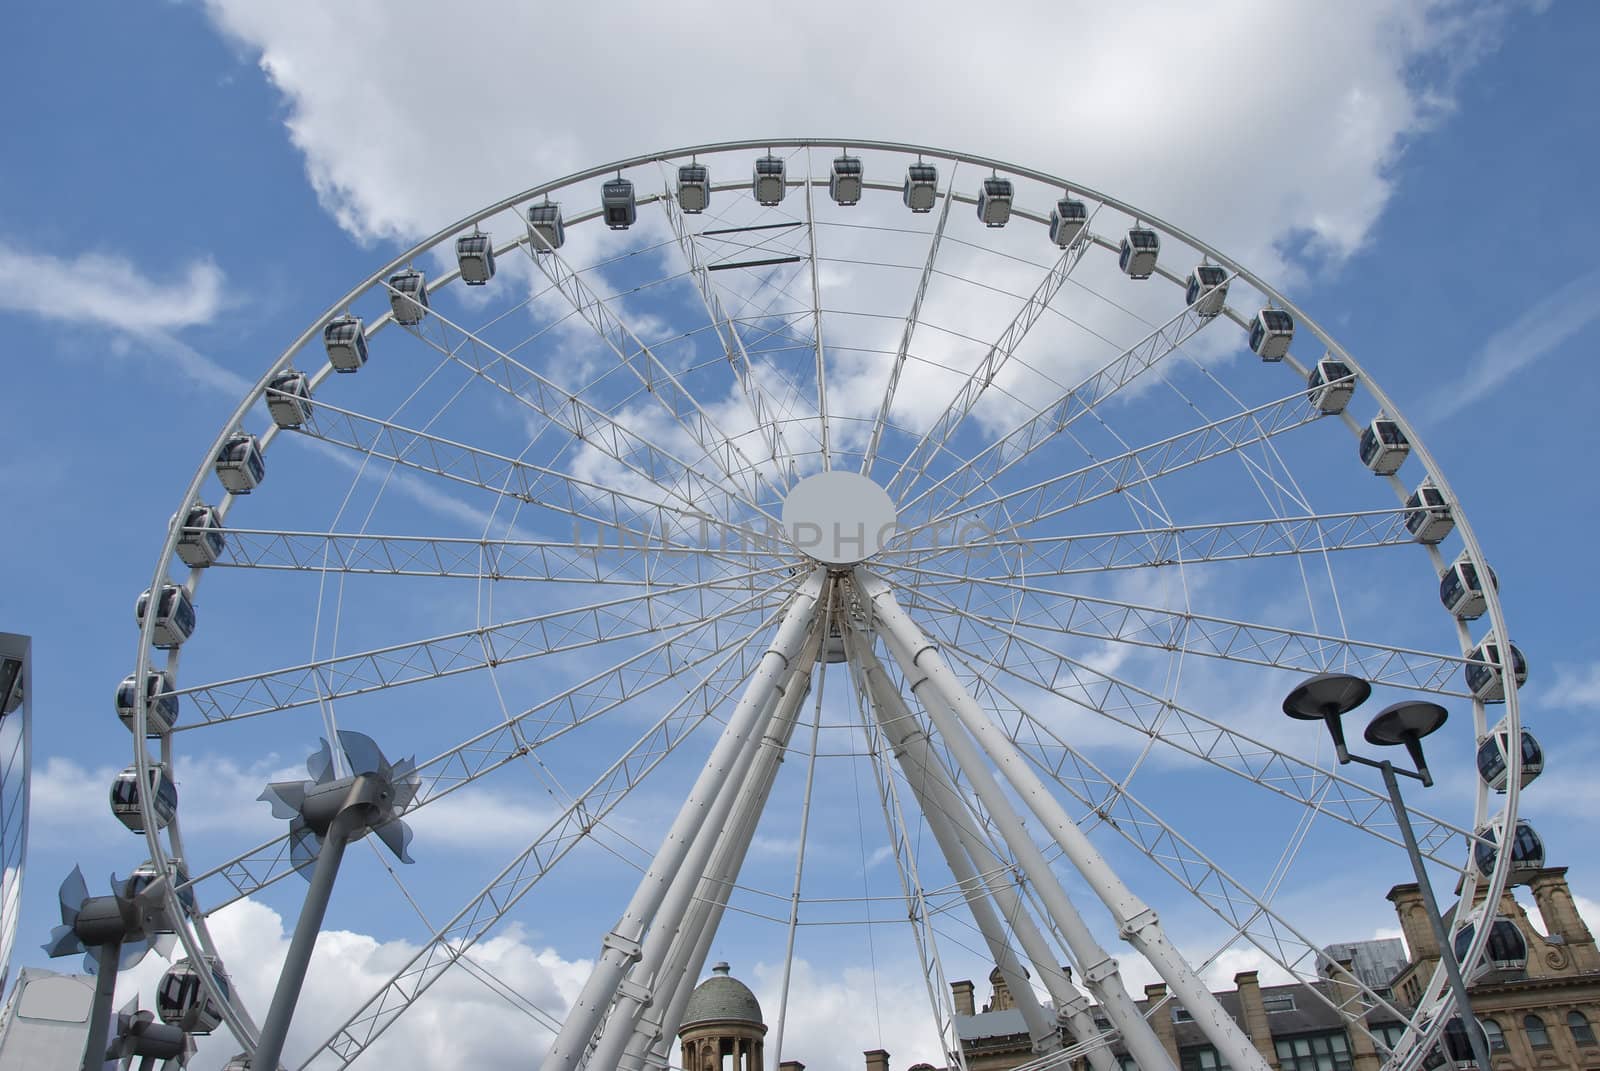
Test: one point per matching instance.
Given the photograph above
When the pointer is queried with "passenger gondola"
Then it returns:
(475, 258)
(694, 187)
(1270, 334)
(1384, 447)
(125, 795)
(1505, 950)
(1140, 248)
(346, 342)
(1527, 849)
(922, 187)
(1331, 384)
(994, 201)
(241, 466)
(844, 180)
(545, 229)
(1428, 515)
(408, 297)
(1461, 588)
(1485, 678)
(175, 619)
(618, 205)
(767, 180)
(1067, 220)
(289, 398)
(1493, 764)
(182, 1001)
(1206, 290)
(161, 706)
(201, 541)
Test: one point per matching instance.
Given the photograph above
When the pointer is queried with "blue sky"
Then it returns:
(196, 183)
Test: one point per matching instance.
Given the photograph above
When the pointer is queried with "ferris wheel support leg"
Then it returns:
(940, 803)
(1137, 922)
(693, 940)
(895, 719)
(646, 982)
(1101, 972)
(622, 946)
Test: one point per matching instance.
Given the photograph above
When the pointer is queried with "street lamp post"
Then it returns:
(1327, 698)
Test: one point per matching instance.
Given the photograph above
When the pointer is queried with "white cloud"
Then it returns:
(1575, 688)
(1545, 326)
(1589, 911)
(110, 292)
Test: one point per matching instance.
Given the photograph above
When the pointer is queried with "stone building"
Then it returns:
(1540, 1014)
(722, 1020)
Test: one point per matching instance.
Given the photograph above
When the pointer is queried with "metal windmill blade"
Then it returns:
(139, 1035)
(73, 894)
(88, 922)
(310, 805)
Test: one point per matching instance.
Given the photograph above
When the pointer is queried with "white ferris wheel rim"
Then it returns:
(194, 934)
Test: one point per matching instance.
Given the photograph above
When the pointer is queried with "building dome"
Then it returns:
(722, 998)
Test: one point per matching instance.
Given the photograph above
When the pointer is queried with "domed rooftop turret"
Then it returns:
(722, 998)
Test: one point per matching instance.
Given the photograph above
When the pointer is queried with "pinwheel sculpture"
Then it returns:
(140, 1037)
(325, 814)
(113, 932)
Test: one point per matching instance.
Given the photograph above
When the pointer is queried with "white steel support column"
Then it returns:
(941, 805)
(642, 985)
(952, 708)
(621, 946)
(1100, 971)
(693, 940)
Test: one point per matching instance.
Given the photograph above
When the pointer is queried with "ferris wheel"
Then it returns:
(1004, 510)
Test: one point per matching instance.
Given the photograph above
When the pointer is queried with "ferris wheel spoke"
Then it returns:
(566, 409)
(1038, 607)
(1187, 731)
(910, 328)
(823, 417)
(1018, 444)
(461, 652)
(620, 563)
(546, 488)
(1175, 545)
(732, 342)
(672, 659)
(967, 396)
(484, 911)
(1056, 495)
(663, 385)
(1120, 810)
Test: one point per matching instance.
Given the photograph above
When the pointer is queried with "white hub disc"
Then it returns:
(838, 518)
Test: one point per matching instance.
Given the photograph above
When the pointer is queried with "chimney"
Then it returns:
(1254, 1012)
(1353, 1010)
(1414, 924)
(877, 1060)
(1560, 916)
(1161, 1021)
(1001, 998)
(962, 992)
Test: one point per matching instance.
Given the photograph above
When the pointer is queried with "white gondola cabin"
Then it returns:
(1457, 1047)
(1461, 588)
(174, 613)
(1140, 248)
(200, 544)
(289, 398)
(545, 230)
(1428, 515)
(408, 297)
(125, 794)
(345, 339)
(1485, 678)
(1067, 220)
(694, 187)
(1270, 334)
(844, 180)
(1493, 764)
(475, 258)
(1505, 950)
(618, 205)
(1206, 290)
(182, 1001)
(1527, 849)
(1384, 446)
(241, 466)
(767, 180)
(161, 706)
(147, 874)
(1331, 384)
(922, 187)
(994, 201)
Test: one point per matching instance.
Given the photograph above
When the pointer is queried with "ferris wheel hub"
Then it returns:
(838, 518)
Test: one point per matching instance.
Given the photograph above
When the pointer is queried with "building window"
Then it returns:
(1201, 1058)
(1582, 1032)
(1126, 1063)
(1315, 1052)
(1496, 1036)
(1180, 1014)
(1538, 1037)
(1278, 1002)
(1388, 1034)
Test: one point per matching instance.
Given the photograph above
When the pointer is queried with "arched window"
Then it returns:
(1582, 1032)
(1538, 1037)
(1496, 1036)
